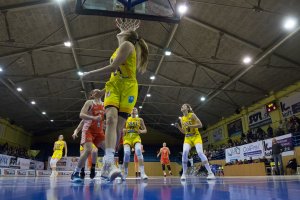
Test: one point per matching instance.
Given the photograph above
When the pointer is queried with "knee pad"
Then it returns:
(163, 167)
(126, 153)
(138, 151)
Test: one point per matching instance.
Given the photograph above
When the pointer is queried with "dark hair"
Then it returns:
(190, 110)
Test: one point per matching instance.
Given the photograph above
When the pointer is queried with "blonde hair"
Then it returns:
(142, 50)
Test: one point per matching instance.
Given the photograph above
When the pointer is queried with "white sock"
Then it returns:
(110, 154)
(77, 169)
(142, 169)
(208, 168)
(184, 167)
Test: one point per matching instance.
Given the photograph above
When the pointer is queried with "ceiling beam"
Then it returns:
(26, 5)
(58, 44)
(259, 58)
(172, 35)
(236, 38)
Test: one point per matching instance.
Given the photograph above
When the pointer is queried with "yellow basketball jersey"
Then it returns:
(133, 125)
(59, 145)
(189, 120)
(127, 69)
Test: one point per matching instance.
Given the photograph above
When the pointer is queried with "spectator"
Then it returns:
(246, 161)
(294, 124)
(286, 125)
(266, 161)
(276, 151)
(270, 131)
(250, 161)
(281, 128)
(260, 133)
(291, 166)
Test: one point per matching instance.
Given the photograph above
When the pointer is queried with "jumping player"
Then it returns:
(121, 92)
(134, 127)
(164, 153)
(189, 126)
(57, 154)
(92, 131)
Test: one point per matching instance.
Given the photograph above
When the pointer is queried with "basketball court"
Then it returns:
(232, 64)
(154, 188)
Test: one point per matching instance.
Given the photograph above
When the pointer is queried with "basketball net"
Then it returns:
(127, 24)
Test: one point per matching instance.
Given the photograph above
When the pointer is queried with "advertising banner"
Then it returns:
(259, 118)
(254, 150)
(23, 163)
(290, 105)
(234, 153)
(285, 141)
(4, 160)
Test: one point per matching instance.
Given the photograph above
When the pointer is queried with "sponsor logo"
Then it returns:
(130, 99)
(21, 173)
(9, 172)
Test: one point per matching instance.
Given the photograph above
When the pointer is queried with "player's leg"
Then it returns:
(82, 172)
(169, 169)
(121, 156)
(204, 160)
(138, 151)
(185, 153)
(126, 159)
(88, 147)
(164, 169)
(53, 162)
(94, 156)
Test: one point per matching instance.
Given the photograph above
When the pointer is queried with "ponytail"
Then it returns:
(190, 110)
(142, 53)
(142, 50)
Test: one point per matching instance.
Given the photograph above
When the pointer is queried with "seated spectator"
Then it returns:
(291, 167)
(270, 132)
(260, 133)
(266, 161)
(246, 161)
(250, 161)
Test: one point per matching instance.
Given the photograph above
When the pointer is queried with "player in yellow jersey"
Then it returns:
(189, 126)
(58, 147)
(133, 128)
(121, 92)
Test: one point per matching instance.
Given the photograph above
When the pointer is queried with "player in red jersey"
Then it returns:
(92, 131)
(164, 153)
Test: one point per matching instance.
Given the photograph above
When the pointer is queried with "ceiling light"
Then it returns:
(33, 102)
(290, 23)
(1, 70)
(140, 107)
(202, 98)
(172, 124)
(152, 77)
(51, 120)
(19, 89)
(247, 60)
(168, 53)
(68, 44)
(80, 73)
(148, 95)
(44, 113)
(182, 9)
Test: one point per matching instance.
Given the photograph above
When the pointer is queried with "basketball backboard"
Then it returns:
(151, 10)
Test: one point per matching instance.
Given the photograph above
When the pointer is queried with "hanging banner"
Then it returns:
(290, 105)
(285, 141)
(259, 118)
(235, 128)
(4, 160)
(217, 134)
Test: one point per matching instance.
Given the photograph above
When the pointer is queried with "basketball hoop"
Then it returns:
(127, 24)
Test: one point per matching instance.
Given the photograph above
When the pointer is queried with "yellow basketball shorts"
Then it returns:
(193, 140)
(82, 147)
(132, 139)
(121, 93)
(57, 154)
